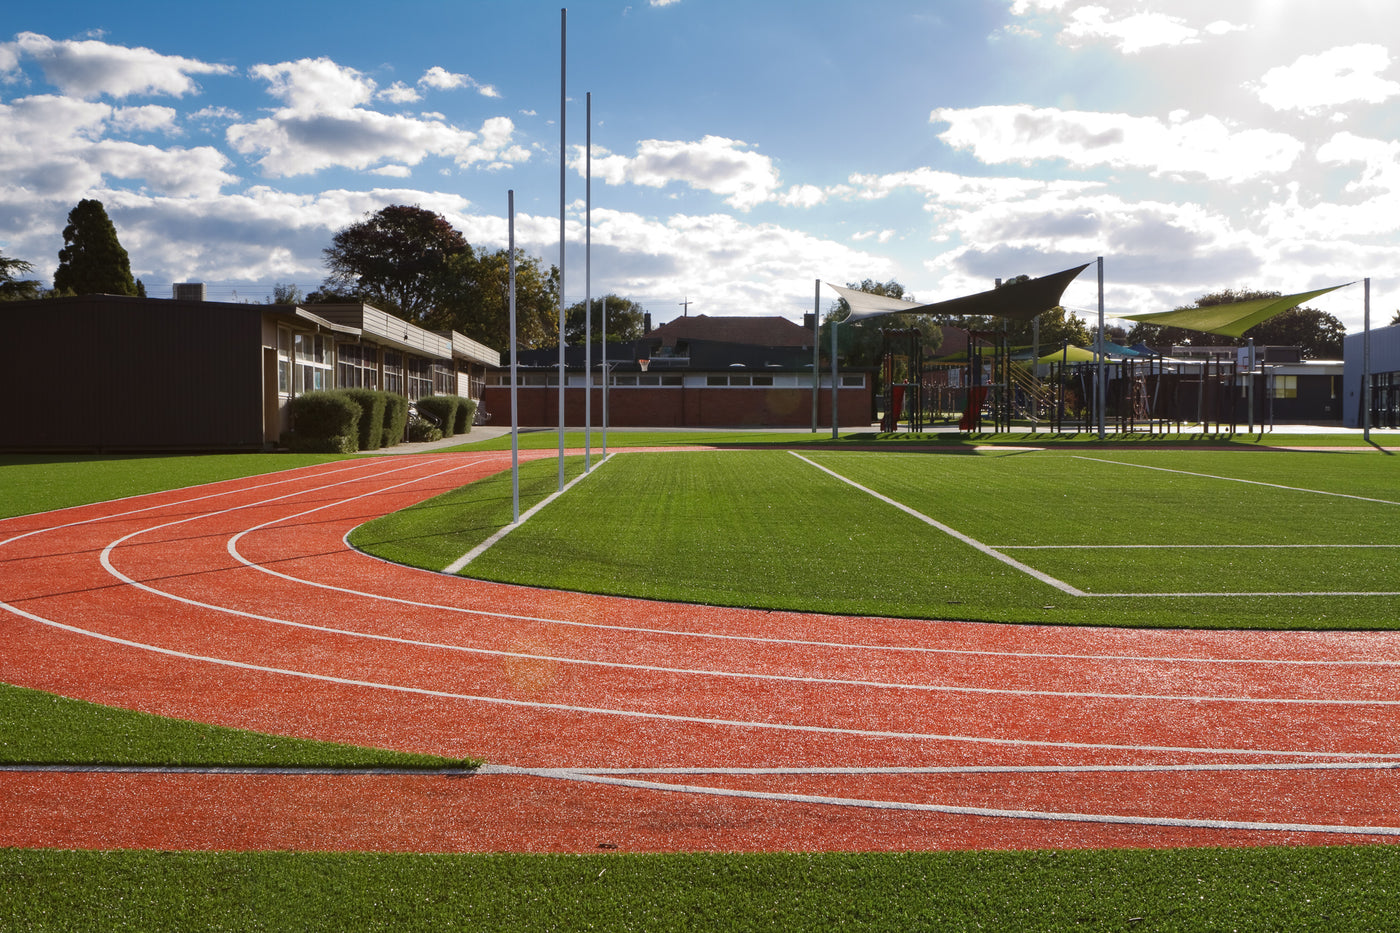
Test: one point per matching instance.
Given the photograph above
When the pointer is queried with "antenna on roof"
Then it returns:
(685, 307)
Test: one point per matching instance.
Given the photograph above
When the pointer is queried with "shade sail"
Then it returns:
(1072, 355)
(1019, 301)
(1230, 320)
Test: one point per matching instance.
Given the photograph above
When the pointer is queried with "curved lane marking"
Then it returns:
(619, 665)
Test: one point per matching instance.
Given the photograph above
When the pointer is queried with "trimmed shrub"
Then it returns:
(372, 404)
(441, 410)
(466, 411)
(323, 422)
(395, 418)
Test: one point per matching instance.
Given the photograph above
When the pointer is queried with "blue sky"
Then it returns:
(741, 150)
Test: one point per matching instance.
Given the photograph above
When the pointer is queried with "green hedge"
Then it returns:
(395, 418)
(442, 411)
(372, 405)
(323, 422)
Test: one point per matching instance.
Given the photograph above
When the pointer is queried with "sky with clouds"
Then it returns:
(741, 150)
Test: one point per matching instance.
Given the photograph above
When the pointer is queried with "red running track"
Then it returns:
(641, 725)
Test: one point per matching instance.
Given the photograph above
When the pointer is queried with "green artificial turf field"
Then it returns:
(1152, 538)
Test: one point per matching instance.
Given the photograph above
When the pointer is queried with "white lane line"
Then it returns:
(1233, 479)
(707, 672)
(996, 813)
(696, 720)
(789, 642)
(106, 561)
(951, 532)
(995, 769)
(456, 566)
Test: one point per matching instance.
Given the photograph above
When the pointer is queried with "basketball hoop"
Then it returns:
(644, 364)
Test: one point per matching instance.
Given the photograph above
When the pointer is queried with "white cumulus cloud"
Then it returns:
(324, 124)
(1206, 146)
(1344, 75)
(726, 167)
(91, 68)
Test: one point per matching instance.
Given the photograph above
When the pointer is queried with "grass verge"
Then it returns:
(1323, 889)
(41, 728)
(42, 482)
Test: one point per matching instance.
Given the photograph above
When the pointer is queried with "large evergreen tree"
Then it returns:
(92, 261)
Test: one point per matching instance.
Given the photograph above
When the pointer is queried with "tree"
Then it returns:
(626, 319)
(92, 261)
(13, 289)
(287, 294)
(475, 301)
(1396, 319)
(1318, 333)
(400, 259)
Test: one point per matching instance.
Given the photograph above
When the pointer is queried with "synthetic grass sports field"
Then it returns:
(1160, 538)
(1325, 695)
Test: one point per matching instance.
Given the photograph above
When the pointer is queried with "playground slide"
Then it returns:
(975, 397)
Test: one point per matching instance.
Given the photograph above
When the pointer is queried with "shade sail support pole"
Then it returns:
(1100, 390)
(1366, 364)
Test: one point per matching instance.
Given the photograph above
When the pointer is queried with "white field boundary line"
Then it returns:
(951, 532)
(1186, 547)
(995, 813)
(1236, 595)
(696, 720)
(1233, 479)
(456, 566)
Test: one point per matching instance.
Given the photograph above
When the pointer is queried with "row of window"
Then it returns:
(307, 362)
(677, 380)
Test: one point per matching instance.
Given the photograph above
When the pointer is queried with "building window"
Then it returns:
(420, 378)
(284, 361)
(1285, 387)
(393, 372)
(355, 367)
(444, 379)
(312, 369)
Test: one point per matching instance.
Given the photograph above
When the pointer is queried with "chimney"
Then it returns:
(646, 322)
(809, 320)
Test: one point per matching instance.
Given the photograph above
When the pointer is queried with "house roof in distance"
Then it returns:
(755, 331)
